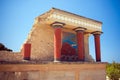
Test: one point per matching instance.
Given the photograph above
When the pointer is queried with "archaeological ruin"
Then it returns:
(56, 48)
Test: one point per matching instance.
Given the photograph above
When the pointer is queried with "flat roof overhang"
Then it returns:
(70, 20)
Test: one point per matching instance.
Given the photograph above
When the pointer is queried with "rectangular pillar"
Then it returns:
(26, 51)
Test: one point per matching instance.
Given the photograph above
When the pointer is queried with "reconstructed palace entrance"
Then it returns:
(57, 48)
(69, 33)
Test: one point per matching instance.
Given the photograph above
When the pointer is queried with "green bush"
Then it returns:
(113, 71)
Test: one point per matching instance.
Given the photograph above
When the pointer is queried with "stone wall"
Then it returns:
(54, 71)
(92, 75)
(37, 75)
(53, 75)
(41, 39)
(10, 56)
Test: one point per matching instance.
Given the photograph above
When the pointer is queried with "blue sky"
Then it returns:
(17, 18)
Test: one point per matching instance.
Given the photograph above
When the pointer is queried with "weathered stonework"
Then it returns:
(41, 48)
(53, 71)
(41, 39)
(10, 56)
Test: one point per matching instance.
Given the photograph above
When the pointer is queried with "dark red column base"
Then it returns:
(98, 60)
(26, 58)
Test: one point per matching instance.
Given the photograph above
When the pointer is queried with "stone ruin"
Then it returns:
(57, 48)
(40, 43)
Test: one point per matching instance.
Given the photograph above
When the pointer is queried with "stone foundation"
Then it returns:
(53, 71)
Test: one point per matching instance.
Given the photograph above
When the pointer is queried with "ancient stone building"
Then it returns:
(57, 48)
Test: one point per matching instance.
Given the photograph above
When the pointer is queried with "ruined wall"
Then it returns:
(10, 56)
(41, 39)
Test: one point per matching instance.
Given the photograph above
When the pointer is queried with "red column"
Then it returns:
(97, 46)
(57, 43)
(57, 40)
(80, 43)
(26, 51)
